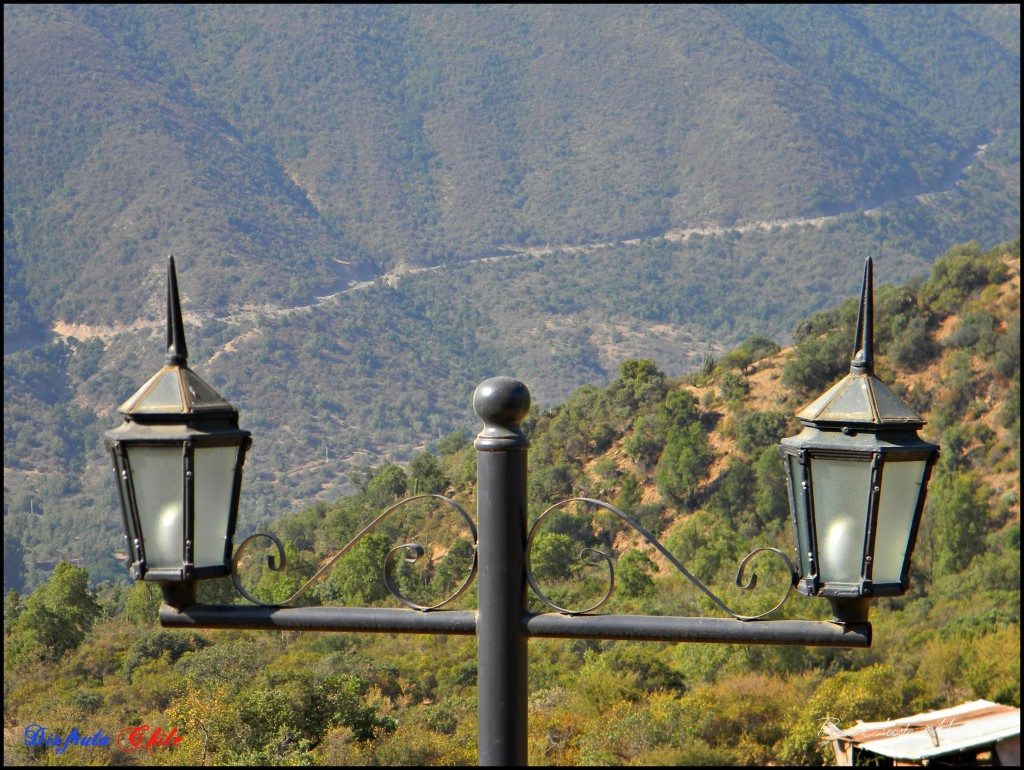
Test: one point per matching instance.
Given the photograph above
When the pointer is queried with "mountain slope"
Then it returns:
(276, 149)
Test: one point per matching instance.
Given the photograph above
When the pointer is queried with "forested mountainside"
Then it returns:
(694, 460)
(374, 208)
(285, 150)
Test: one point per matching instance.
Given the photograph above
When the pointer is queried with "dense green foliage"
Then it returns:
(53, 619)
(76, 656)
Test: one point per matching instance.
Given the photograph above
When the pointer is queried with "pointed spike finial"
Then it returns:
(863, 351)
(177, 353)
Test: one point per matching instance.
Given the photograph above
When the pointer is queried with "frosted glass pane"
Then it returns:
(215, 474)
(841, 489)
(165, 395)
(157, 476)
(901, 488)
(853, 402)
(796, 478)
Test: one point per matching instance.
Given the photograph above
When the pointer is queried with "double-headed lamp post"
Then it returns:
(857, 479)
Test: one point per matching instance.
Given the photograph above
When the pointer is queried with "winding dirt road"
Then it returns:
(253, 314)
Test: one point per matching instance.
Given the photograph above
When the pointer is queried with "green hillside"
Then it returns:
(949, 344)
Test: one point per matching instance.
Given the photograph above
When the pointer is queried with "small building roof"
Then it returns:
(965, 727)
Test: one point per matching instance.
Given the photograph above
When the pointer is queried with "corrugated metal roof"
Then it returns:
(932, 734)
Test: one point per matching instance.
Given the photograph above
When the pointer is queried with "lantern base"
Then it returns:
(180, 594)
(847, 611)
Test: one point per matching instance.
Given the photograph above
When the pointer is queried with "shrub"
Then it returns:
(956, 274)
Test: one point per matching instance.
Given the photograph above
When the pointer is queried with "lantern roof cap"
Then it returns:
(861, 399)
(176, 390)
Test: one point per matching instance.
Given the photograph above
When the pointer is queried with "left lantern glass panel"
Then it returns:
(157, 478)
(124, 488)
(841, 491)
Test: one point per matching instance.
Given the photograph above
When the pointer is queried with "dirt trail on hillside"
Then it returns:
(253, 314)
(677, 235)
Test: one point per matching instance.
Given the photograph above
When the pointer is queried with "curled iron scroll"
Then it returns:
(415, 549)
(746, 584)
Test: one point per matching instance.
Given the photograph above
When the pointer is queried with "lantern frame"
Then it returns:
(859, 427)
(177, 410)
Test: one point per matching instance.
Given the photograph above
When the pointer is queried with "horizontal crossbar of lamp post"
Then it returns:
(545, 625)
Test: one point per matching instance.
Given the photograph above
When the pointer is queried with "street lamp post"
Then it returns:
(502, 623)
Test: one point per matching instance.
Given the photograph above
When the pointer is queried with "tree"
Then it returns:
(771, 498)
(634, 573)
(1006, 361)
(157, 644)
(733, 387)
(277, 586)
(553, 556)
(734, 489)
(819, 362)
(645, 443)
(452, 443)
(958, 504)
(550, 482)
(454, 567)
(358, 577)
(57, 616)
(360, 476)
(912, 347)
(339, 700)
(640, 382)
(737, 359)
(208, 720)
(426, 475)
(684, 463)
(956, 273)
(630, 493)
(757, 430)
(679, 409)
(13, 606)
(386, 486)
(143, 603)
(686, 457)
(873, 693)
(752, 350)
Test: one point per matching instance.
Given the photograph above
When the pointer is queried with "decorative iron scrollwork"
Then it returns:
(594, 557)
(413, 552)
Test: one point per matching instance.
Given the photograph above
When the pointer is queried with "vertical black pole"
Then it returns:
(501, 403)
